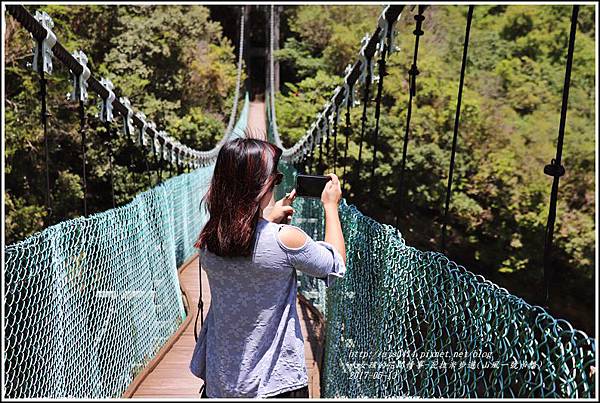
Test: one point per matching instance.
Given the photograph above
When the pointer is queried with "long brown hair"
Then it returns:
(243, 174)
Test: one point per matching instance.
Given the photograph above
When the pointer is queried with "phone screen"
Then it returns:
(311, 185)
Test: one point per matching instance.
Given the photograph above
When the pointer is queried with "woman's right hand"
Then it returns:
(332, 193)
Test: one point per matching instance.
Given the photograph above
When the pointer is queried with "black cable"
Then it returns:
(144, 154)
(108, 143)
(347, 133)
(456, 121)
(44, 116)
(305, 163)
(156, 163)
(334, 135)
(311, 155)
(555, 169)
(382, 74)
(83, 153)
(171, 164)
(148, 170)
(327, 131)
(364, 116)
(413, 72)
(320, 166)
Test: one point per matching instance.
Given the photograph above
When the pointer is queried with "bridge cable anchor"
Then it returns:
(106, 107)
(388, 28)
(80, 84)
(365, 73)
(128, 128)
(143, 137)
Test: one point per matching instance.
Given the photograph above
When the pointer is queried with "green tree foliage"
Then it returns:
(508, 130)
(172, 62)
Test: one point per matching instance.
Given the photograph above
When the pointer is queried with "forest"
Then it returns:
(183, 76)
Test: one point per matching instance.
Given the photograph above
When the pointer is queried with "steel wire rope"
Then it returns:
(413, 72)
(456, 124)
(555, 169)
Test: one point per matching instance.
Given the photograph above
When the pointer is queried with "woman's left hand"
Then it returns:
(281, 212)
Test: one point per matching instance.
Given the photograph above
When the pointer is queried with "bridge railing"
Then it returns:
(407, 323)
(90, 301)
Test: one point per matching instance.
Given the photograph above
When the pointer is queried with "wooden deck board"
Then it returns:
(171, 377)
(257, 123)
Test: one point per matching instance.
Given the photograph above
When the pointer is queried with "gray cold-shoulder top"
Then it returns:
(251, 343)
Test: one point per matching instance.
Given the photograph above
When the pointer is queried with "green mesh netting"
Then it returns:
(90, 301)
(407, 323)
(242, 122)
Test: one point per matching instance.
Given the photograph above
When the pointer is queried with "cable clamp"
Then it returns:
(166, 143)
(419, 18)
(180, 154)
(311, 135)
(348, 90)
(170, 157)
(143, 138)
(190, 161)
(387, 27)
(364, 73)
(184, 155)
(80, 81)
(155, 141)
(196, 163)
(413, 73)
(325, 120)
(174, 152)
(106, 107)
(336, 106)
(554, 170)
(318, 129)
(128, 128)
(42, 51)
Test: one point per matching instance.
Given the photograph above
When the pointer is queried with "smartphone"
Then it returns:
(311, 185)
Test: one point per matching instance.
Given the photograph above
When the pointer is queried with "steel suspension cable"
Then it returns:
(456, 123)
(172, 167)
(413, 72)
(157, 167)
(238, 78)
(363, 120)
(44, 117)
(320, 166)
(327, 134)
(311, 157)
(347, 133)
(108, 144)
(555, 169)
(81, 110)
(334, 135)
(382, 74)
(148, 174)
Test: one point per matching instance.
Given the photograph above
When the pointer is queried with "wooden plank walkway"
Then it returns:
(257, 123)
(169, 376)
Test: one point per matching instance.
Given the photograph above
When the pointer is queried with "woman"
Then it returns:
(251, 343)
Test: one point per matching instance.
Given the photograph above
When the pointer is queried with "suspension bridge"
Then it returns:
(103, 304)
